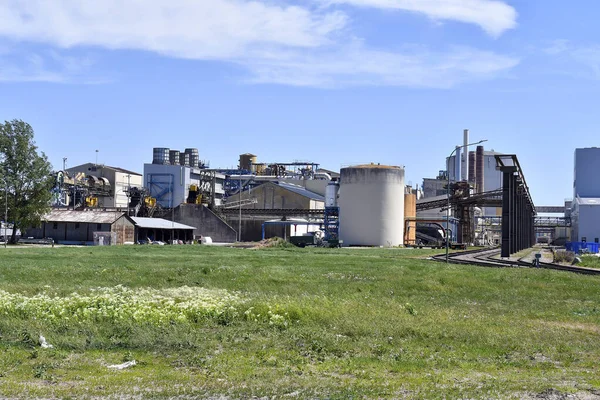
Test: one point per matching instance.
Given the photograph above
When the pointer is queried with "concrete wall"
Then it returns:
(587, 167)
(205, 221)
(434, 187)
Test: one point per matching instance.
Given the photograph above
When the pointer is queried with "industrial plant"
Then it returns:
(480, 198)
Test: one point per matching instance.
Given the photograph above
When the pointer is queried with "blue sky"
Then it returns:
(337, 82)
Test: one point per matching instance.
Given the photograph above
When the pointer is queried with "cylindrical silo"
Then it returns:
(331, 194)
(194, 157)
(184, 159)
(160, 155)
(372, 205)
(246, 161)
(410, 214)
(457, 162)
(174, 157)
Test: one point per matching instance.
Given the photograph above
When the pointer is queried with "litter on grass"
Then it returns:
(44, 344)
(125, 365)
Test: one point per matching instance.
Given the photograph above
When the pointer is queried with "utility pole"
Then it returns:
(128, 191)
(97, 157)
(6, 212)
(172, 211)
(240, 216)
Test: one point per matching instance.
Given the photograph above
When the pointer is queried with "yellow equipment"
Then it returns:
(150, 202)
(91, 201)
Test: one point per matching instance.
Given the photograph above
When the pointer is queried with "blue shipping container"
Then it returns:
(576, 247)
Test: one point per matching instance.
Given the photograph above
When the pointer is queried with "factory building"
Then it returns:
(85, 227)
(585, 175)
(93, 227)
(117, 180)
(585, 211)
(172, 174)
(272, 195)
(585, 220)
(491, 179)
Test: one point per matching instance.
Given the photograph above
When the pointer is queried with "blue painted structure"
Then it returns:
(577, 247)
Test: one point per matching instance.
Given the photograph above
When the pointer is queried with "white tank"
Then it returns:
(331, 194)
(372, 205)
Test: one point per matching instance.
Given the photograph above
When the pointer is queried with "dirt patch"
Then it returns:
(553, 394)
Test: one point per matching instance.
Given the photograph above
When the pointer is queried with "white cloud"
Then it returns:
(183, 28)
(284, 44)
(557, 47)
(493, 16)
(45, 66)
(577, 60)
(354, 65)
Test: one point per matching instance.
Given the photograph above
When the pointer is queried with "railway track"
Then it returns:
(487, 258)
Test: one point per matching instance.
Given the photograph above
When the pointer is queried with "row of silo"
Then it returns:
(165, 156)
(372, 205)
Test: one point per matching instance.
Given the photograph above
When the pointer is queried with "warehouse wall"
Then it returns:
(272, 196)
(206, 222)
(125, 230)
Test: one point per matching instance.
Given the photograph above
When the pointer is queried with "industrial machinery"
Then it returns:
(308, 239)
(78, 191)
(331, 217)
(141, 204)
(194, 195)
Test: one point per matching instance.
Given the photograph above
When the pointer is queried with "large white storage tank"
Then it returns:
(372, 205)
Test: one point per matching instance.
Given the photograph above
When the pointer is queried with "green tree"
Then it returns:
(24, 176)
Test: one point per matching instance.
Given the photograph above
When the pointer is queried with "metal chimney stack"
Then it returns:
(480, 165)
(472, 170)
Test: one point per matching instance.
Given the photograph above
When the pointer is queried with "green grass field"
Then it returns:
(590, 262)
(306, 323)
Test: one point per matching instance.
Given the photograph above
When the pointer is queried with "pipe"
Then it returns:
(255, 177)
(323, 174)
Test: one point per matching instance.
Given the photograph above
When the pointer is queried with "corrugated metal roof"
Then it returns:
(94, 217)
(158, 223)
(301, 191)
(84, 168)
(123, 170)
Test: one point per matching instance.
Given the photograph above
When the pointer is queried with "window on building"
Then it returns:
(76, 225)
(55, 225)
(99, 227)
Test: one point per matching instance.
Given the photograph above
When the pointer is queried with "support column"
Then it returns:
(507, 182)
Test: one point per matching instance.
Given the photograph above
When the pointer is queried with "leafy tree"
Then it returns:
(24, 175)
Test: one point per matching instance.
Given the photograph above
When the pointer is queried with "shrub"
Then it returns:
(564, 256)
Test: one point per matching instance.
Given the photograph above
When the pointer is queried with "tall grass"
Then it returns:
(313, 323)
